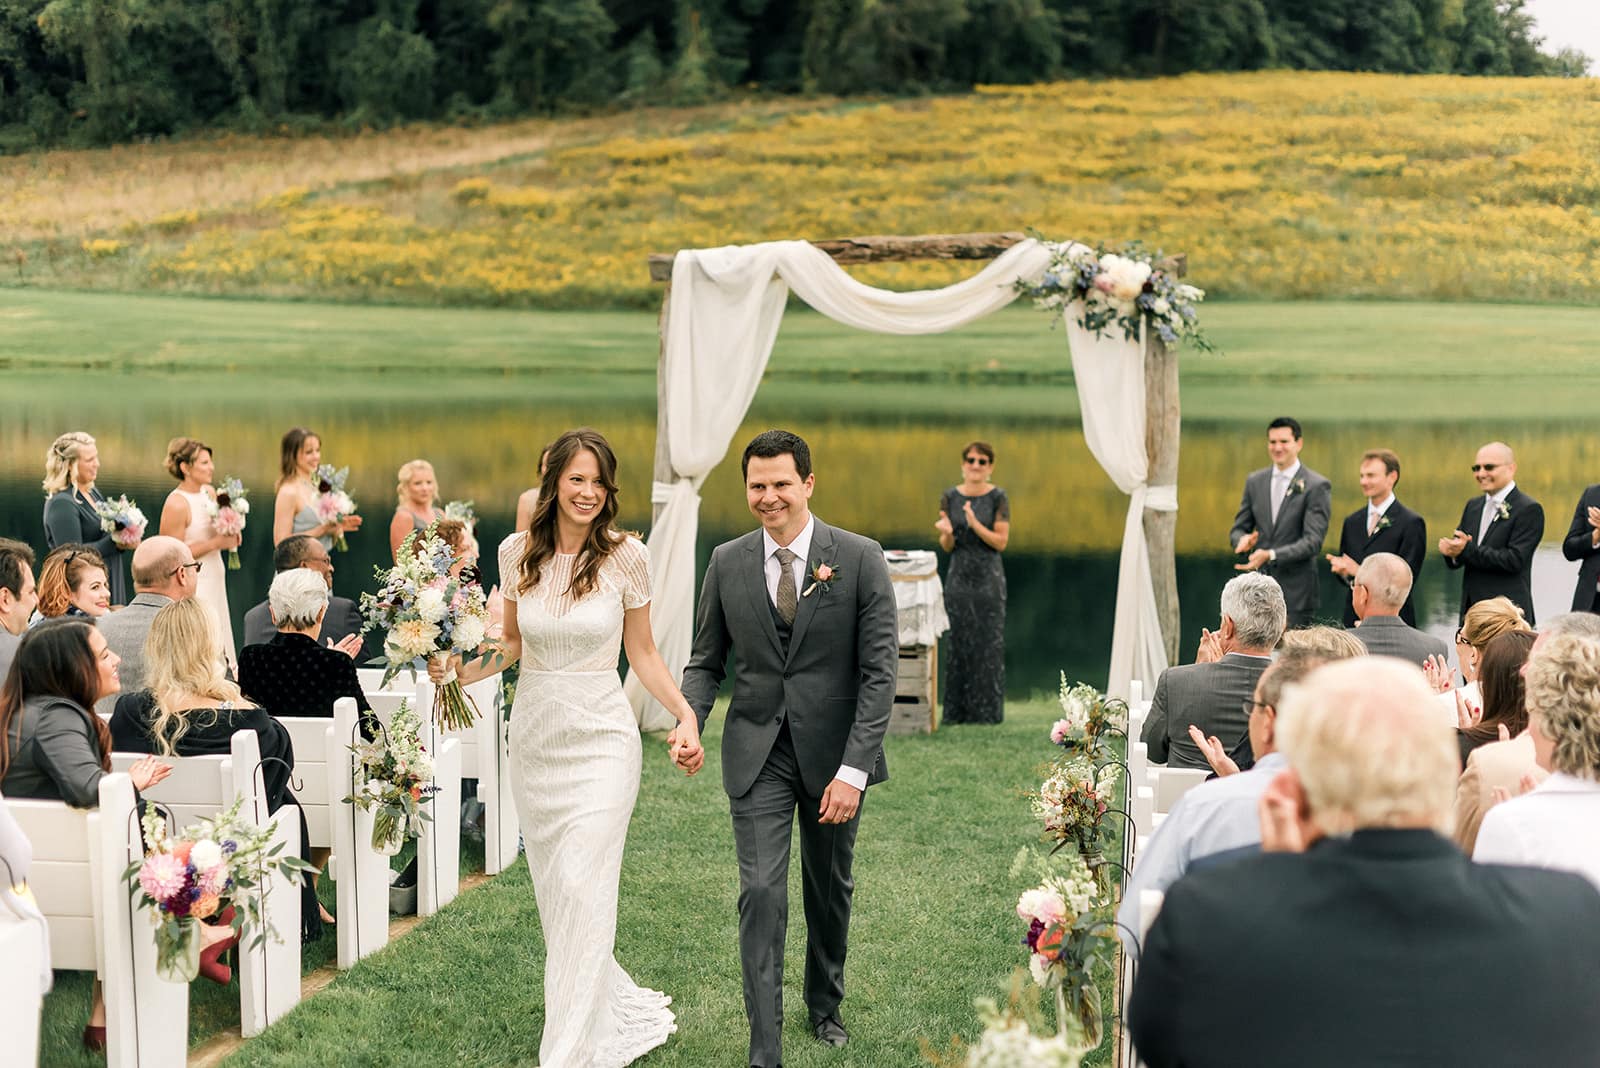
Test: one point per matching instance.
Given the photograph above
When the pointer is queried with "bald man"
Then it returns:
(1499, 532)
(164, 570)
(1381, 586)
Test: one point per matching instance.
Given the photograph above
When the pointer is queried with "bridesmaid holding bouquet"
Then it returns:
(70, 468)
(186, 515)
(295, 509)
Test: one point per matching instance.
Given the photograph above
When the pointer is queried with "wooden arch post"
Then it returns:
(1162, 422)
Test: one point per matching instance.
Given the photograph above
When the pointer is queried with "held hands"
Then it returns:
(1454, 544)
(683, 745)
(1342, 565)
(840, 801)
(1212, 749)
(349, 645)
(147, 771)
(1438, 674)
(1247, 542)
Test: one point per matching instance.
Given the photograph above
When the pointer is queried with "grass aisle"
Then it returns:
(933, 926)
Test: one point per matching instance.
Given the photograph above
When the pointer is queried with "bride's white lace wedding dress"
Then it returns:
(575, 754)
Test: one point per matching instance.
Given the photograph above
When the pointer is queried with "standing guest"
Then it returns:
(1583, 543)
(186, 516)
(292, 675)
(1504, 699)
(1554, 824)
(974, 526)
(341, 627)
(294, 510)
(1360, 932)
(1498, 534)
(1212, 693)
(70, 468)
(1382, 584)
(418, 490)
(164, 570)
(529, 500)
(72, 582)
(18, 598)
(1283, 519)
(1384, 525)
(52, 746)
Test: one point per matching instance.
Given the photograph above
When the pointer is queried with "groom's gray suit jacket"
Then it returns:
(835, 682)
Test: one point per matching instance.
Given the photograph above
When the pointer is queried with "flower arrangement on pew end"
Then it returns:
(426, 612)
(1016, 1035)
(1130, 289)
(393, 781)
(214, 865)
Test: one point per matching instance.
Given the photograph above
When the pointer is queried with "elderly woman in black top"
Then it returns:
(293, 675)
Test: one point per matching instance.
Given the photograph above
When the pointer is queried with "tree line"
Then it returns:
(105, 71)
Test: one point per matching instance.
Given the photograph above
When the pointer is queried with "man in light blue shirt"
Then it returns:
(1219, 815)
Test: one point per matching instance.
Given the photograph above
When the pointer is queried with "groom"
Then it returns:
(810, 615)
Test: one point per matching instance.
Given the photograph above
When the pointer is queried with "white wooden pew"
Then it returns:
(1172, 783)
(312, 739)
(360, 873)
(20, 1000)
(200, 787)
(79, 856)
(439, 844)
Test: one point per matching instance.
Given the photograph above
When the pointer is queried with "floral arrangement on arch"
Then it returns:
(394, 780)
(1127, 289)
(228, 510)
(213, 866)
(425, 612)
(333, 504)
(123, 520)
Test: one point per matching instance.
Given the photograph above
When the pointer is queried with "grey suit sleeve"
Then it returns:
(878, 654)
(708, 659)
(1245, 522)
(70, 758)
(1313, 529)
(1154, 735)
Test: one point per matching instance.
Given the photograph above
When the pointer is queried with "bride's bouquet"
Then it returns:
(228, 510)
(123, 520)
(393, 781)
(333, 504)
(426, 613)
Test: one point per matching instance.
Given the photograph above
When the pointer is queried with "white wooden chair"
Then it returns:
(20, 1001)
(199, 787)
(360, 873)
(1173, 783)
(1144, 810)
(79, 856)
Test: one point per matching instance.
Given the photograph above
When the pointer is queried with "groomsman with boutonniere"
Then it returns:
(1282, 520)
(1498, 534)
(1583, 543)
(1382, 525)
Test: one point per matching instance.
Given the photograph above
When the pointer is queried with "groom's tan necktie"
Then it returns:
(786, 596)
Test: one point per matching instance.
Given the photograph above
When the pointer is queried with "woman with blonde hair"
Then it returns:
(417, 491)
(294, 510)
(186, 515)
(71, 465)
(1484, 622)
(72, 582)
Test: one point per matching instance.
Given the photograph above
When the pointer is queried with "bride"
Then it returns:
(575, 589)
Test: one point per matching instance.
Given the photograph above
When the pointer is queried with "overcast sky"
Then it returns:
(1569, 24)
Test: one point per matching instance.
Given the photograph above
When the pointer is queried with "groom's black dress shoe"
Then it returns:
(830, 1031)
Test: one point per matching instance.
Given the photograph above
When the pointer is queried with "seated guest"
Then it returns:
(1362, 931)
(164, 570)
(292, 675)
(1485, 621)
(1504, 701)
(18, 598)
(191, 709)
(1557, 823)
(52, 745)
(1502, 766)
(1382, 584)
(72, 582)
(342, 626)
(1212, 693)
(1219, 815)
(1330, 643)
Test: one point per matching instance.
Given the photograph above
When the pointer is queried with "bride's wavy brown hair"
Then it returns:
(602, 539)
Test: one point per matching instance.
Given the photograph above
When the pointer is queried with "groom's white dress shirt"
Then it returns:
(801, 547)
(1491, 508)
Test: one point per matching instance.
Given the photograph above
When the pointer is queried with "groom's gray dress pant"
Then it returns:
(763, 822)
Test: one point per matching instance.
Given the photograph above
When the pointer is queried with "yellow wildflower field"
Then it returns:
(1277, 185)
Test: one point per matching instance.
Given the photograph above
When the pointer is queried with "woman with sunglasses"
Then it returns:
(974, 526)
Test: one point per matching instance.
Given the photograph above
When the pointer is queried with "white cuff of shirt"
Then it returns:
(852, 776)
(1272, 554)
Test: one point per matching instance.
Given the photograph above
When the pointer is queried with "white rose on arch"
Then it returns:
(1125, 278)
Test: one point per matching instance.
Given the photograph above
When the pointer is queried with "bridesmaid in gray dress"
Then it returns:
(70, 468)
(974, 526)
(295, 511)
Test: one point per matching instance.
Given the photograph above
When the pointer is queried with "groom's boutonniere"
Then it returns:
(1503, 509)
(1297, 486)
(821, 575)
(1383, 523)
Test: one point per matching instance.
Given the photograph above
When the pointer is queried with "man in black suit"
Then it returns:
(1214, 692)
(1583, 543)
(1360, 931)
(1282, 520)
(1498, 534)
(1382, 584)
(1383, 526)
(341, 628)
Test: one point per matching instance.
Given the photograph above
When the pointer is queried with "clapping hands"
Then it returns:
(349, 645)
(1454, 544)
(1214, 751)
(1247, 542)
(1438, 674)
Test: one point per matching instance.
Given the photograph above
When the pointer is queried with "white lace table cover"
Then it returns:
(918, 595)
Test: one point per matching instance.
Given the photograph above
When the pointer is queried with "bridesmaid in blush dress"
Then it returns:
(294, 511)
(974, 527)
(187, 517)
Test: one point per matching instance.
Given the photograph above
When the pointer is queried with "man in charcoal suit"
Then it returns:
(1583, 543)
(164, 571)
(1212, 694)
(341, 627)
(1359, 932)
(19, 596)
(1499, 532)
(808, 612)
(1382, 585)
(1282, 520)
(1384, 525)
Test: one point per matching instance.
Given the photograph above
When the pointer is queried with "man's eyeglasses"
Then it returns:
(1251, 706)
(977, 461)
(1483, 467)
(185, 567)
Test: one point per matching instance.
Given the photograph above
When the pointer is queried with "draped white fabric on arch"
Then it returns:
(722, 320)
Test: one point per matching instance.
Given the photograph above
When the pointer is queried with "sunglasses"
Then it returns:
(185, 567)
(979, 461)
(1483, 467)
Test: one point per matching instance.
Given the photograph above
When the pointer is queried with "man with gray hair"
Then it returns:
(1381, 587)
(1212, 693)
(1361, 931)
(164, 571)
